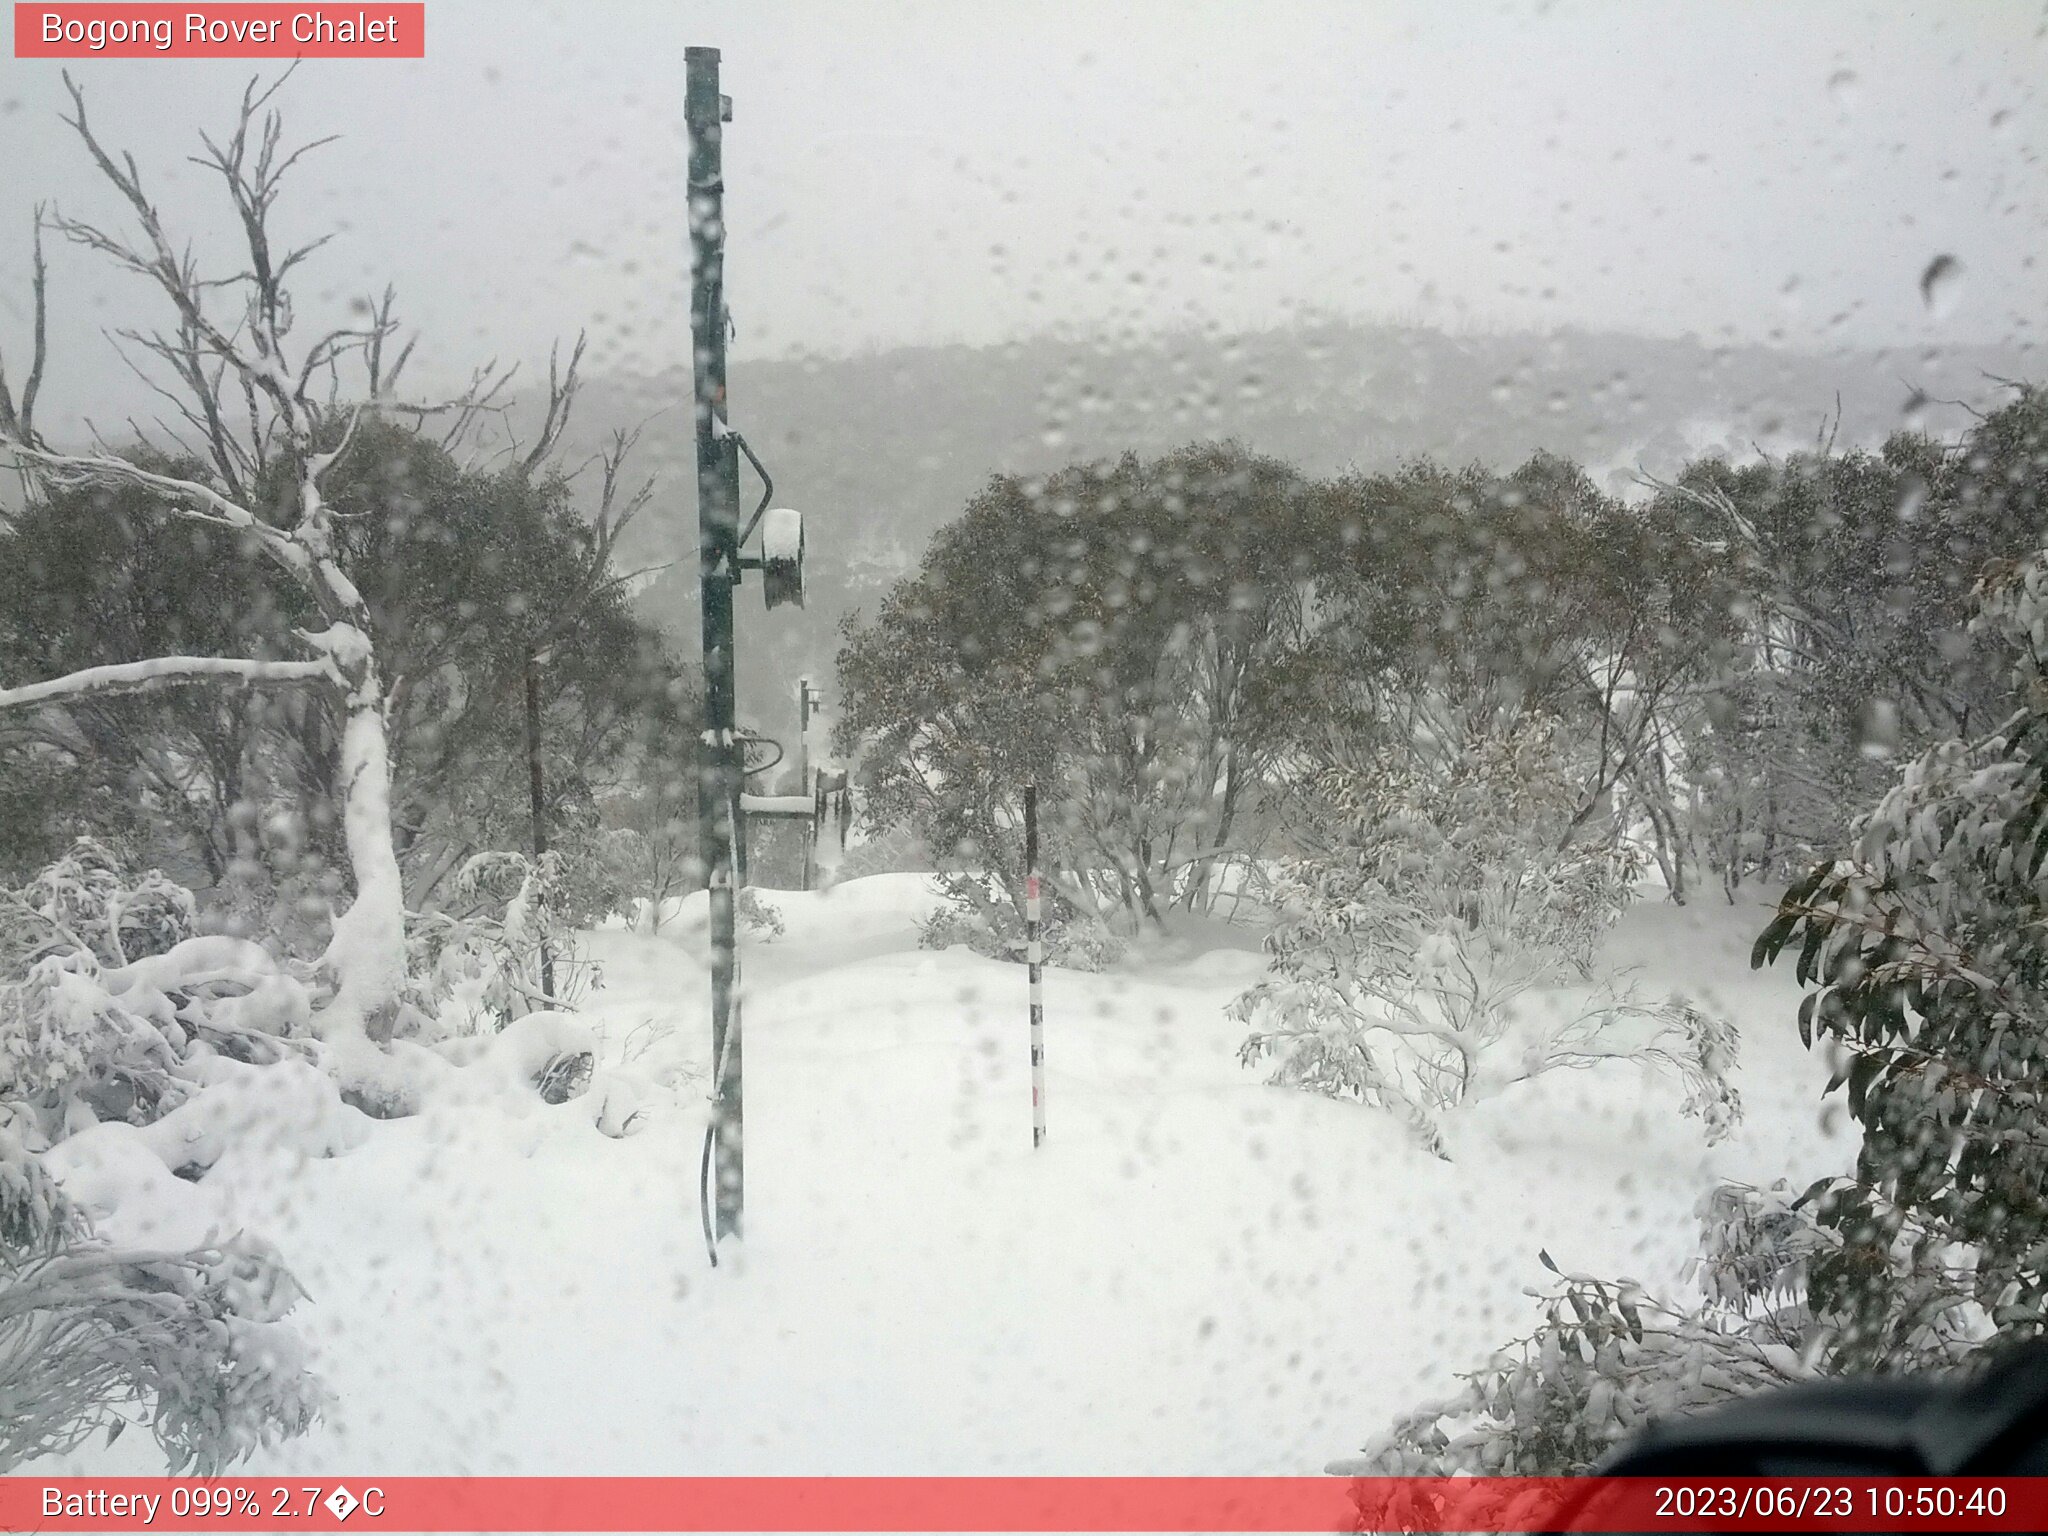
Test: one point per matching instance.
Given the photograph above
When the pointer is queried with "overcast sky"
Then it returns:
(979, 169)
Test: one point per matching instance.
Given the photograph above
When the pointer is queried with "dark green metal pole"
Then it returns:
(718, 503)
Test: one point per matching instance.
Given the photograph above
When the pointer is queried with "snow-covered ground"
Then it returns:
(1197, 1274)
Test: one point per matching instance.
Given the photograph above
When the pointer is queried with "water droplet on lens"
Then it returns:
(1877, 730)
(1941, 286)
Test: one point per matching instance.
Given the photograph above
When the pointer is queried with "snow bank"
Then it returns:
(1198, 1274)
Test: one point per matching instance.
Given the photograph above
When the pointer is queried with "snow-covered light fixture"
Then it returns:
(782, 556)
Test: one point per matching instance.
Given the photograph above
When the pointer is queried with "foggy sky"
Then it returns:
(904, 173)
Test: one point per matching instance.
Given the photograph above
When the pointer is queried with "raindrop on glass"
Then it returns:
(1941, 286)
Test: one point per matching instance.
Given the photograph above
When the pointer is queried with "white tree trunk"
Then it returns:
(366, 954)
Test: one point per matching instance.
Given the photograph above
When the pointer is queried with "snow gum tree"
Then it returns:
(1445, 601)
(1102, 632)
(1847, 575)
(263, 415)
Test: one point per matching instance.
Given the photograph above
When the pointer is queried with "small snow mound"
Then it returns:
(289, 1107)
(113, 1173)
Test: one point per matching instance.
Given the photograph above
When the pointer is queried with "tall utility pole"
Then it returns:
(718, 554)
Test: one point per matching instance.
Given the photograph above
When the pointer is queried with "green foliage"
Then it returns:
(1607, 1361)
(1925, 952)
(464, 572)
(92, 576)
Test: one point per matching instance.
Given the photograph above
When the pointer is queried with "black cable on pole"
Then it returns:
(704, 1192)
(1034, 954)
(704, 1163)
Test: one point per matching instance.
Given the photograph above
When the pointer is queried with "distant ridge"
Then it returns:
(881, 449)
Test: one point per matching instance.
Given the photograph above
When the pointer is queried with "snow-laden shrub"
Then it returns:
(1757, 1247)
(81, 1042)
(991, 927)
(115, 1013)
(68, 1045)
(1439, 938)
(34, 1215)
(88, 899)
(758, 915)
(1608, 1359)
(479, 969)
(106, 992)
(91, 1332)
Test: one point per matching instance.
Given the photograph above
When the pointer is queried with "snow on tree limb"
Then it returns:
(181, 497)
(167, 672)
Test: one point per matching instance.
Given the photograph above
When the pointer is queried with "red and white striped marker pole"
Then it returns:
(1034, 957)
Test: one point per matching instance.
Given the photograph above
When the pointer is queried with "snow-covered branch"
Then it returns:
(181, 497)
(167, 672)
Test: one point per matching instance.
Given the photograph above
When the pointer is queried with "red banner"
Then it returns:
(1078, 1504)
(103, 31)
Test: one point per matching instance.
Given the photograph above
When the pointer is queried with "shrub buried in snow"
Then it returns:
(121, 1086)
(1924, 949)
(119, 1034)
(1438, 943)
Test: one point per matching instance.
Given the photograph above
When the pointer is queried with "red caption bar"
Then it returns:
(1037, 1504)
(103, 31)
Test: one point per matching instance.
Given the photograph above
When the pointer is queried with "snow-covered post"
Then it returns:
(1034, 957)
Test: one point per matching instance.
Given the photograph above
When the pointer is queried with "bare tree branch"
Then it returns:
(612, 514)
(561, 400)
(19, 425)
